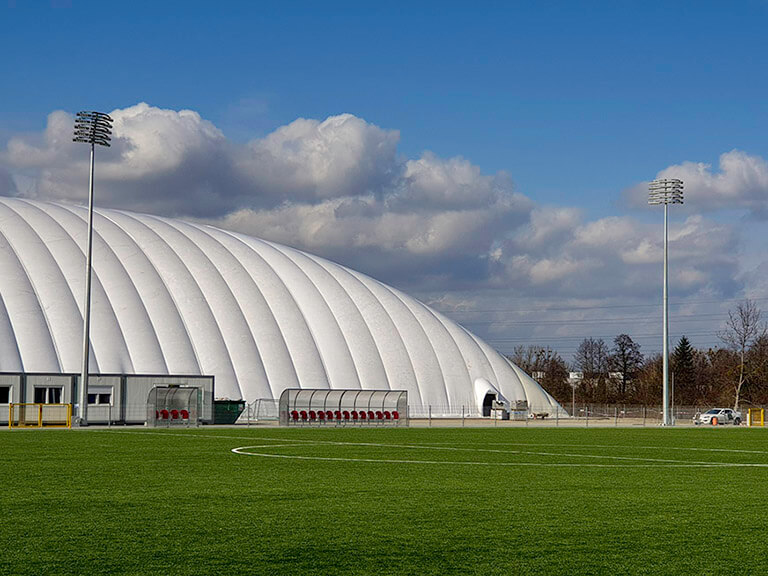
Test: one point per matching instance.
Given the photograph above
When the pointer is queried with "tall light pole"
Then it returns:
(666, 191)
(90, 128)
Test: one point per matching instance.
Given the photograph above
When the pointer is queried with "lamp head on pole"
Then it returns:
(665, 191)
(93, 128)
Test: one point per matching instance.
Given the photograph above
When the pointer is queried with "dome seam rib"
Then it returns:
(442, 326)
(344, 334)
(59, 269)
(135, 244)
(429, 341)
(234, 299)
(309, 325)
(99, 283)
(487, 359)
(272, 311)
(168, 291)
(321, 262)
(106, 217)
(358, 276)
(76, 305)
(199, 288)
(4, 309)
(37, 300)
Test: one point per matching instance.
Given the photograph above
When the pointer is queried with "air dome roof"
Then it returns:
(174, 297)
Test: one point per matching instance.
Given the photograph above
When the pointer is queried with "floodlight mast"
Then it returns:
(90, 128)
(666, 191)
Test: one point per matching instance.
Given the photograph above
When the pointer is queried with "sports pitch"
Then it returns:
(383, 501)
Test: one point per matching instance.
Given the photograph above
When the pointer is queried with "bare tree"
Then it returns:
(757, 379)
(525, 357)
(742, 329)
(591, 358)
(647, 388)
(626, 359)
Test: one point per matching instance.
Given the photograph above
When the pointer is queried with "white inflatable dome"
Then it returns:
(173, 297)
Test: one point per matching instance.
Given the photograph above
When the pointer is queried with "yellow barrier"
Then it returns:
(35, 415)
(755, 417)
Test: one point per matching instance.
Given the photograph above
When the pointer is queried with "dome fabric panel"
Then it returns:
(175, 297)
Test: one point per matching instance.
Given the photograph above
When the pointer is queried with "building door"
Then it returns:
(488, 404)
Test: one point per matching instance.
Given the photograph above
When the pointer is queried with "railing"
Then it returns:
(265, 411)
(586, 415)
(261, 410)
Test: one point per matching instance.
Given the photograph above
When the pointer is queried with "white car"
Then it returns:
(718, 416)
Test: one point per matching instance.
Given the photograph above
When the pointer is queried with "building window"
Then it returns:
(100, 399)
(5, 394)
(48, 395)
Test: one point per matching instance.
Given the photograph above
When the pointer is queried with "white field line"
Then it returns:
(213, 436)
(533, 444)
(682, 448)
(415, 446)
(242, 450)
(454, 447)
(655, 461)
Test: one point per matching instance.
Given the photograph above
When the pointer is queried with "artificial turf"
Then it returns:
(477, 501)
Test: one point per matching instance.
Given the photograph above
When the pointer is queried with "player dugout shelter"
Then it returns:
(343, 407)
(174, 405)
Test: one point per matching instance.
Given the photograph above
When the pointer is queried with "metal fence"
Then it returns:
(585, 415)
(261, 410)
(265, 411)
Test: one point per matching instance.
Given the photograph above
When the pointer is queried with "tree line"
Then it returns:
(732, 374)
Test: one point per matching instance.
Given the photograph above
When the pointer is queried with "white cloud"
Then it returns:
(311, 160)
(160, 161)
(437, 226)
(741, 182)
(615, 256)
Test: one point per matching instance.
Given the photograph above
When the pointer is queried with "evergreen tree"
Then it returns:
(685, 373)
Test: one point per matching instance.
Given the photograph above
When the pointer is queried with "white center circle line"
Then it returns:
(646, 462)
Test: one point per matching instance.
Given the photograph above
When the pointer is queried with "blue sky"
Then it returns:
(611, 90)
(576, 102)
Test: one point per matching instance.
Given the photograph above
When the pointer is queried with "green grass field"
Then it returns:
(384, 501)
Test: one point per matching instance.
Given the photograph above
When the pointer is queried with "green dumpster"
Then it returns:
(227, 411)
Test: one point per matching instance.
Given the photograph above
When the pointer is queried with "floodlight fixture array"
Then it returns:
(93, 128)
(665, 191)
